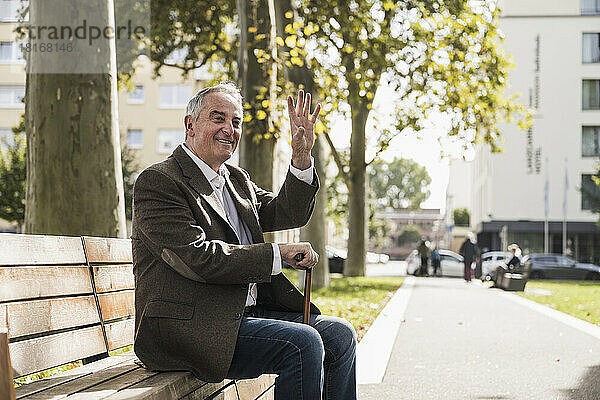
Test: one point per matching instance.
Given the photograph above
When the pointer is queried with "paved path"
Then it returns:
(466, 341)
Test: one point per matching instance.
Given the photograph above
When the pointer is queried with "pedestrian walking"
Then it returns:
(423, 250)
(468, 250)
(435, 260)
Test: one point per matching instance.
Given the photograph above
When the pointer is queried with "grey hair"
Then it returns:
(194, 106)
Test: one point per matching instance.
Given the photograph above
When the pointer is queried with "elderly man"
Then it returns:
(210, 295)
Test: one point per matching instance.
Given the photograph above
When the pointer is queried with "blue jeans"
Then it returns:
(316, 361)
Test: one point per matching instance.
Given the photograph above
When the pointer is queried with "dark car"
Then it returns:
(557, 266)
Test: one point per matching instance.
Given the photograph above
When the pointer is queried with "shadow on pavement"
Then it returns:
(589, 386)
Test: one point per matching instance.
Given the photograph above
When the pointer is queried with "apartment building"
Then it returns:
(555, 46)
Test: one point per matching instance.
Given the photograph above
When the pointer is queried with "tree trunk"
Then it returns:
(74, 177)
(315, 232)
(257, 142)
(355, 264)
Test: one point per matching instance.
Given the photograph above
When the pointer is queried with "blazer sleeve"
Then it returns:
(291, 208)
(163, 220)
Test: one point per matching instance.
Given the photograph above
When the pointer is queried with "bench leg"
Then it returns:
(7, 388)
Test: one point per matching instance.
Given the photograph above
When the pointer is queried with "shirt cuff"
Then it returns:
(305, 175)
(276, 260)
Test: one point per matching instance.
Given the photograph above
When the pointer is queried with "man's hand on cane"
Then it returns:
(290, 250)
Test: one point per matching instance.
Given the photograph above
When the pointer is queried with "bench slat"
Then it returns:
(117, 305)
(73, 380)
(108, 250)
(34, 355)
(167, 385)
(120, 334)
(108, 387)
(31, 317)
(21, 283)
(253, 388)
(113, 277)
(18, 249)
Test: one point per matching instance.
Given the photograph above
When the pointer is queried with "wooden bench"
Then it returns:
(69, 298)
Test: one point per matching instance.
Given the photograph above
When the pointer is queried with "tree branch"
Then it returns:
(338, 160)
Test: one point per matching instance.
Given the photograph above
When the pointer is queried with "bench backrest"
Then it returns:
(53, 291)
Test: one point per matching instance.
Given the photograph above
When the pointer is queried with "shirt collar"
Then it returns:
(216, 180)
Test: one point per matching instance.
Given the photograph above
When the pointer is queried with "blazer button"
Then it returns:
(238, 315)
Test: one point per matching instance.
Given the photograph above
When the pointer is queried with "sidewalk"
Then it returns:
(465, 341)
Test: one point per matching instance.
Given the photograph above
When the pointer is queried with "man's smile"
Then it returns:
(225, 141)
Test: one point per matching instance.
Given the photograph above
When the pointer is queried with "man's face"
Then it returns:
(214, 136)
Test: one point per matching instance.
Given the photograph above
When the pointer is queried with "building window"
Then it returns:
(136, 96)
(168, 139)
(12, 96)
(590, 141)
(174, 96)
(590, 193)
(591, 47)
(10, 52)
(9, 10)
(591, 94)
(590, 7)
(135, 139)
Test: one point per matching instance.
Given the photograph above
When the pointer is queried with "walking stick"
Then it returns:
(307, 282)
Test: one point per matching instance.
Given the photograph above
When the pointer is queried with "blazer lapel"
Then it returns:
(244, 207)
(199, 183)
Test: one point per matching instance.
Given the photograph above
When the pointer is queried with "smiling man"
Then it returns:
(210, 296)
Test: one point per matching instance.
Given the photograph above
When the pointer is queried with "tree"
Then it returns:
(590, 191)
(74, 178)
(409, 234)
(462, 217)
(399, 184)
(13, 173)
(439, 56)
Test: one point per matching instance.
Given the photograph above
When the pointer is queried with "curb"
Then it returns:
(374, 350)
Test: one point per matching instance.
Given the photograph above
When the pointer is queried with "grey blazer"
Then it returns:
(192, 275)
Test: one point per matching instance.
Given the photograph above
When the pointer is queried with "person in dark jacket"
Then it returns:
(435, 260)
(423, 250)
(468, 250)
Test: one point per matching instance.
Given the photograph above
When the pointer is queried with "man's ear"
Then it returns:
(188, 123)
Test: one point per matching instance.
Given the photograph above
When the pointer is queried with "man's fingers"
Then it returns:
(315, 114)
(306, 110)
(300, 102)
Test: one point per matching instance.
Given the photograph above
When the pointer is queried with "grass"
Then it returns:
(581, 299)
(359, 300)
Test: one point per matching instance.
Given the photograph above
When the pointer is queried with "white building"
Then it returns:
(555, 46)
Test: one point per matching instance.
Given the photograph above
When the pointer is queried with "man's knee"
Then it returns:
(341, 337)
(309, 344)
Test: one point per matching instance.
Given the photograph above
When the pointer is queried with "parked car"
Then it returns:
(557, 266)
(336, 259)
(490, 261)
(451, 264)
(377, 258)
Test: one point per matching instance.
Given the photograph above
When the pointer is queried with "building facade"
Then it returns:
(555, 46)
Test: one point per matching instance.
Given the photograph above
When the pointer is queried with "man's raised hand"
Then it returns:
(302, 125)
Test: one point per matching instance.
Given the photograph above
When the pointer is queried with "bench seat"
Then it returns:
(67, 299)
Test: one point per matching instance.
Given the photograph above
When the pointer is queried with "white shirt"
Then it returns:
(217, 182)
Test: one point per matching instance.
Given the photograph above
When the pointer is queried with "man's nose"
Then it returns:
(228, 130)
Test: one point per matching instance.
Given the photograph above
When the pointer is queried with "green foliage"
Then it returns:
(13, 175)
(462, 217)
(401, 183)
(203, 30)
(379, 229)
(410, 234)
(129, 168)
